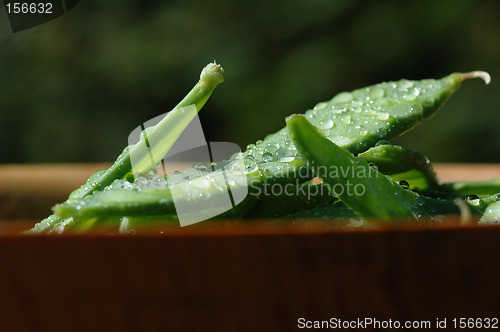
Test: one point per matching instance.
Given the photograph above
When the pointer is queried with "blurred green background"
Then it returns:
(73, 89)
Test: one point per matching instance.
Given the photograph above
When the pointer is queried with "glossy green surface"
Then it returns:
(362, 188)
(491, 215)
(351, 122)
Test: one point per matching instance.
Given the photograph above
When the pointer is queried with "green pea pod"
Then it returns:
(402, 164)
(357, 120)
(362, 188)
(170, 128)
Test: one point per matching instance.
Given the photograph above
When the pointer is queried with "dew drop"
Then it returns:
(420, 200)
(404, 184)
(201, 167)
(405, 84)
(267, 157)
(326, 124)
(250, 166)
(383, 116)
(343, 97)
(473, 199)
(320, 106)
(250, 146)
(410, 97)
(284, 155)
(382, 142)
(357, 103)
(192, 172)
(271, 148)
(381, 101)
(377, 93)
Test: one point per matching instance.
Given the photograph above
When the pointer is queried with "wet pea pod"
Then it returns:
(402, 164)
(360, 187)
(357, 120)
(166, 132)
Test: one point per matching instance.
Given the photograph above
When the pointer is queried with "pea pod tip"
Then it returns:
(477, 73)
(213, 73)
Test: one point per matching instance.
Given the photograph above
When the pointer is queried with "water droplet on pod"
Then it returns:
(473, 199)
(404, 184)
(343, 97)
(382, 142)
(267, 157)
(284, 155)
(383, 116)
(326, 124)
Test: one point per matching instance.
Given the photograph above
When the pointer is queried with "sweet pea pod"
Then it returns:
(167, 130)
(362, 188)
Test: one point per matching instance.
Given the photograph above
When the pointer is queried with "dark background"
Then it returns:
(73, 89)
